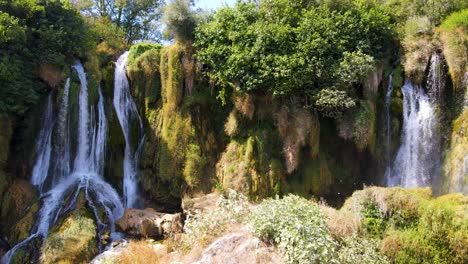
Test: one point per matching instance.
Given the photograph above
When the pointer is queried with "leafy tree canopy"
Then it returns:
(299, 48)
(34, 32)
(138, 18)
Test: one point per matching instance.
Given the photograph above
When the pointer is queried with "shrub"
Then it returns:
(341, 224)
(297, 227)
(360, 250)
(333, 103)
(441, 235)
(455, 46)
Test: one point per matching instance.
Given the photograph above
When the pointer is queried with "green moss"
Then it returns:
(440, 236)
(456, 174)
(398, 77)
(138, 49)
(145, 77)
(364, 126)
(22, 228)
(172, 77)
(27, 253)
(194, 165)
(73, 241)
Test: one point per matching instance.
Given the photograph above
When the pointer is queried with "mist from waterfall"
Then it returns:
(127, 114)
(418, 158)
(87, 166)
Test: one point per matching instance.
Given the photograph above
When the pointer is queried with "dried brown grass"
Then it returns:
(341, 224)
(244, 103)
(139, 252)
(231, 127)
(294, 127)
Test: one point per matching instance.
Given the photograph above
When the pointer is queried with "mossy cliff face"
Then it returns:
(180, 143)
(456, 160)
(256, 144)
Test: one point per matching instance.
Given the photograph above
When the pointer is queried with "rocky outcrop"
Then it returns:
(239, 248)
(149, 223)
(73, 239)
(199, 204)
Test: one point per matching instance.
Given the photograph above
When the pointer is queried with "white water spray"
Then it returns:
(127, 113)
(418, 159)
(87, 170)
(43, 147)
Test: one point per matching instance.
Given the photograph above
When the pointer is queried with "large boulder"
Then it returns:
(73, 239)
(200, 204)
(240, 247)
(149, 223)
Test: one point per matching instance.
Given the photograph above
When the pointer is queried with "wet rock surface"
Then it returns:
(149, 223)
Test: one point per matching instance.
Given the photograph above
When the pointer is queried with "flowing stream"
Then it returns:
(127, 114)
(418, 160)
(88, 165)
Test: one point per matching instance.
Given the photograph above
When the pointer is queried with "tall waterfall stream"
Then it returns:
(58, 173)
(418, 159)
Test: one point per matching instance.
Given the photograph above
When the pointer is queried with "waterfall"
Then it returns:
(127, 114)
(87, 168)
(43, 147)
(436, 78)
(81, 160)
(62, 145)
(418, 158)
(388, 119)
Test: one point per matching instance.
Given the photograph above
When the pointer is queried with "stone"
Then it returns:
(74, 240)
(149, 223)
(200, 204)
(240, 247)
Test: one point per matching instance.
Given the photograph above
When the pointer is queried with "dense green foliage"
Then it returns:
(434, 10)
(33, 33)
(180, 20)
(300, 48)
(297, 227)
(455, 45)
(138, 18)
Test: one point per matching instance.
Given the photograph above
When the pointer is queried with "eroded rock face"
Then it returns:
(239, 248)
(149, 223)
(73, 241)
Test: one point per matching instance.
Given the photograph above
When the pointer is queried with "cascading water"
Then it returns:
(87, 170)
(62, 142)
(127, 114)
(388, 123)
(418, 158)
(43, 147)
(436, 78)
